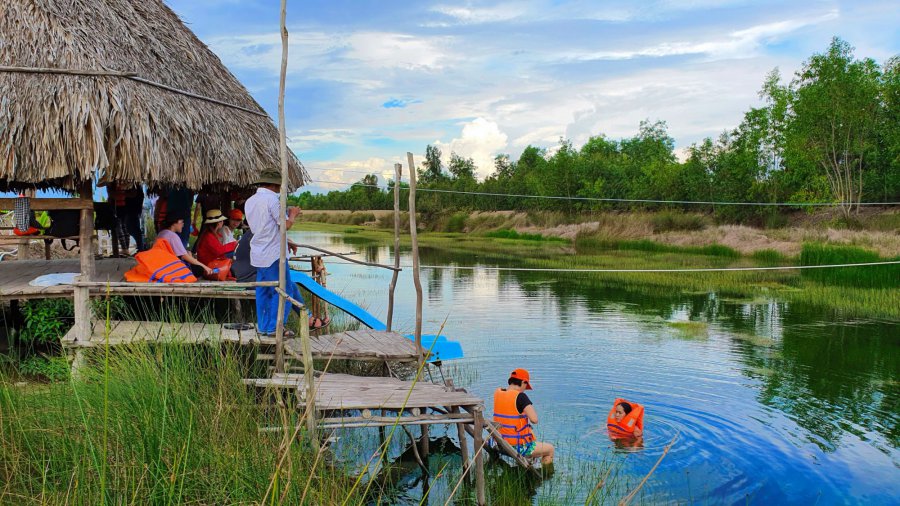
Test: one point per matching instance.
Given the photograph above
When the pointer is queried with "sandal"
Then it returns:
(318, 323)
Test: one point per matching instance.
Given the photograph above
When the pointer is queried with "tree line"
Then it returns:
(829, 135)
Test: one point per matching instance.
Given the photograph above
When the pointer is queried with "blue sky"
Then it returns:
(369, 81)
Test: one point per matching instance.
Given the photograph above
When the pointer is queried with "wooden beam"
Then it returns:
(82, 295)
(479, 457)
(50, 204)
(414, 236)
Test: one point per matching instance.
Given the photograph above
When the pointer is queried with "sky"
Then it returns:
(368, 81)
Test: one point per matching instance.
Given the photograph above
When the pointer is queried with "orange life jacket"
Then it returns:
(632, 420)
(159, 265)
(514, 426)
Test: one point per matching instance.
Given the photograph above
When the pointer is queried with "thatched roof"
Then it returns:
(59, 130)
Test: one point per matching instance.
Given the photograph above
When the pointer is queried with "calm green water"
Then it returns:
(773, 403)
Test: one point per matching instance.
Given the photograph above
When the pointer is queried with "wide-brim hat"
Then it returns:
(214, 216)
(269, 176)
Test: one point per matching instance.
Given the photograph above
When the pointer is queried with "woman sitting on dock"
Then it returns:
(209, 245)
(172, 227)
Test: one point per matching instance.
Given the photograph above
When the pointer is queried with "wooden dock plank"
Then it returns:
(346, 392)
(356, 345)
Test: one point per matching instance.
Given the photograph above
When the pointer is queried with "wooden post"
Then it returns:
(282, 216)
(479, 456)
(414, 236)
(310, 380)
(463, 443)
(81, 296)
(398, 173)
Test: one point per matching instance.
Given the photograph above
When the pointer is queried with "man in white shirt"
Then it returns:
(262, 210)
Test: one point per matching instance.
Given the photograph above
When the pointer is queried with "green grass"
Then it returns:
(691, 329)
(170, 424)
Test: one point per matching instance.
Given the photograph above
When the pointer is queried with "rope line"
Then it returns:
(598, 199)
(699, 269)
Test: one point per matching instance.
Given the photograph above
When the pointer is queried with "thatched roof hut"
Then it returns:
(58, 130)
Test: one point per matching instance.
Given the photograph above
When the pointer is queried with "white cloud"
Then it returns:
(476, 15)
(394, 50)
(743, 43)
(480, 140)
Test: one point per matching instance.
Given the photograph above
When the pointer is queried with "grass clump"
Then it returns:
(669, 221)
(155, 424)
(881, 276)
(716, 250)
(769, 257)
(522, 236)
(456, 223)
(691, 329)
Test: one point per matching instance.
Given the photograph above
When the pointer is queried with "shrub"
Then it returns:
(46, 320)
(52, 368)
(456, 223)
(667, 221)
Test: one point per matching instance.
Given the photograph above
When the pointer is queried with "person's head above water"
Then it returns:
(622, 409)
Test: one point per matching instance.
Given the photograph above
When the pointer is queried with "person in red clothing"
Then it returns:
(209, 245)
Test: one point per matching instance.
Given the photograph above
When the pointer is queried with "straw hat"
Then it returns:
(214, 216)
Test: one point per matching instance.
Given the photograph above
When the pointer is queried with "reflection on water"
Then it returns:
(772, 402)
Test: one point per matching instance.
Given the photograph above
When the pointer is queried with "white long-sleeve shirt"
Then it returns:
(261, 211)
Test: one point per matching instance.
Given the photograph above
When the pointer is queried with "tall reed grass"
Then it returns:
(880, 276)
(155, 424)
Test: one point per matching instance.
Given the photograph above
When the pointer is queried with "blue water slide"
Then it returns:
(441, 347)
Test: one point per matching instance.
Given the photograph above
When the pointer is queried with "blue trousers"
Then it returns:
(267, 299)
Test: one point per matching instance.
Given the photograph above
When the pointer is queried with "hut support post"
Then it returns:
(479, 456)
(282, 215)
(398, 173)
(81, 295)
(415, 254)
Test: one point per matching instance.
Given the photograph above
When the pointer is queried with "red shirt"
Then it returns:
(210, 248)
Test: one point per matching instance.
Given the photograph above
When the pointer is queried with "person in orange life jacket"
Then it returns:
(515, 414)
(622, 409)
(172, 227)
(209, 245)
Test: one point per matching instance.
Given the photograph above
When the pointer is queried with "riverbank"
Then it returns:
(874, 229)
(523, 250)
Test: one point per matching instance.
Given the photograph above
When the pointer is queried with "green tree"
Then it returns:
(834, 105)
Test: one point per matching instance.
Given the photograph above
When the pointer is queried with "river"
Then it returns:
(771, 402)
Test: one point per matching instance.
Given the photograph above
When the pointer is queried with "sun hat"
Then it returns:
(214, 216)
(235, 214)
(522, 374)
(269, 176)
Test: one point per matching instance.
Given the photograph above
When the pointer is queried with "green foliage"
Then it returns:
(882, 276)
(667, 221)
(46, 320)
(52, 368)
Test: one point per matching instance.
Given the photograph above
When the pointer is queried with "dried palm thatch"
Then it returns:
(58, 130)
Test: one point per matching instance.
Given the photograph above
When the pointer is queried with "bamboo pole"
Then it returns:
(282, 200)
(398, 172)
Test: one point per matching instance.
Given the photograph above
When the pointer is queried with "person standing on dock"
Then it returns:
(261, 212)
(514, 413)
